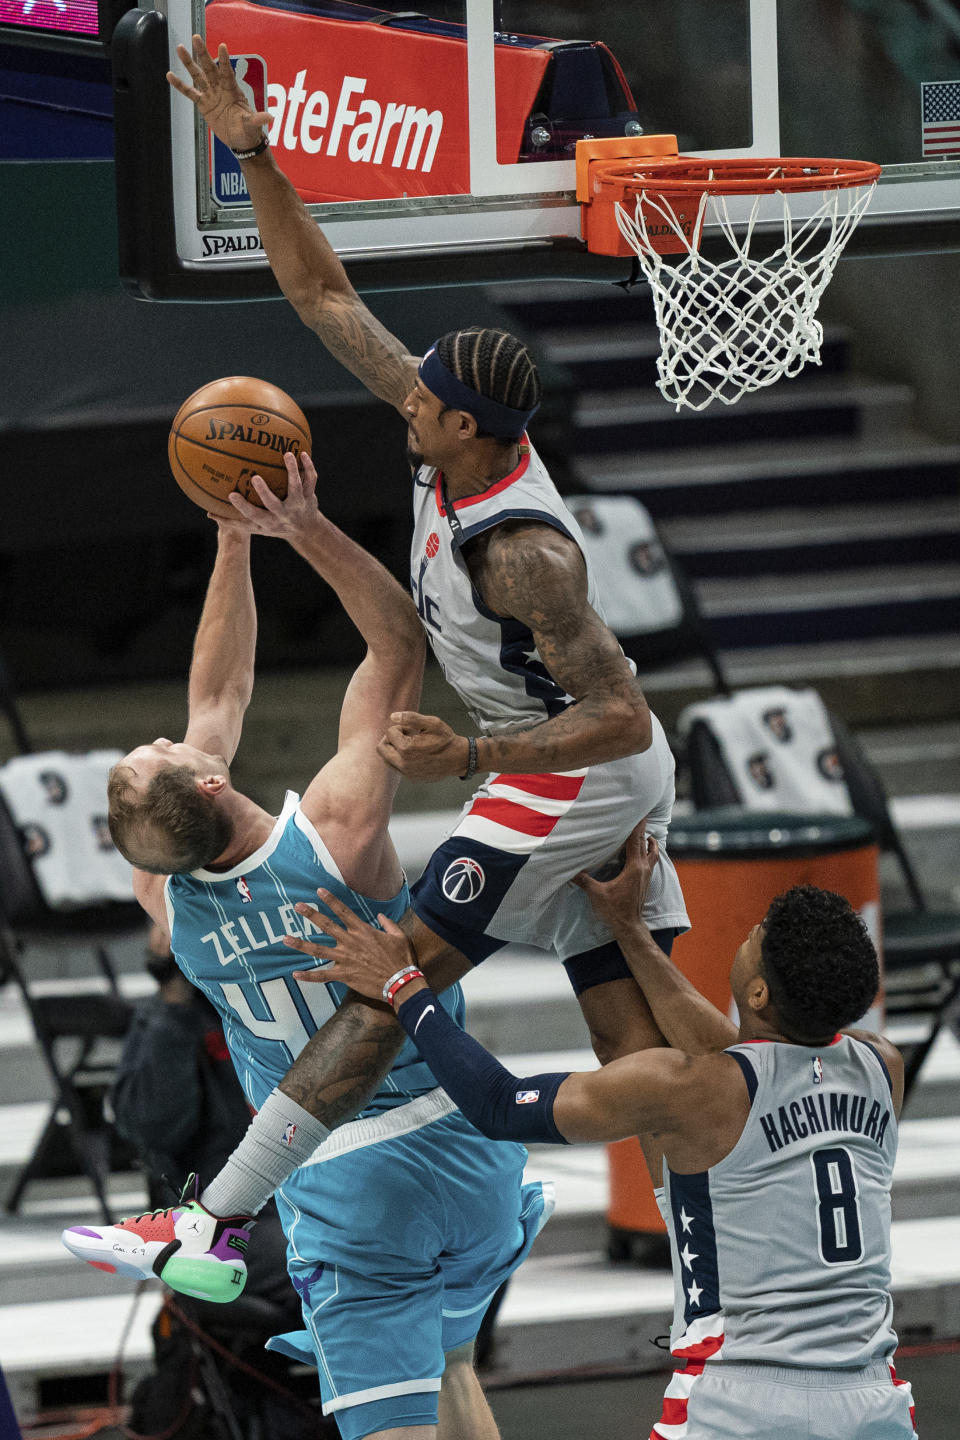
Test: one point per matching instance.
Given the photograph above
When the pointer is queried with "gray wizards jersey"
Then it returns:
(781, 1252)
(491, 661)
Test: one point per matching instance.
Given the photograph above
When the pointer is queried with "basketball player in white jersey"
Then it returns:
(572, 754)
(774, 1145)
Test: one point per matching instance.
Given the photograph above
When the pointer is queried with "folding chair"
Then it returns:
(648, 600)
(77, 1124)
(73, 1029)
(921, 946)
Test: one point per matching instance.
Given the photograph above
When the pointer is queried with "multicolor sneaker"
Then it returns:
(192, 1251)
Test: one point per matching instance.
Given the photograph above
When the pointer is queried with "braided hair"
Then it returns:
(495, 364)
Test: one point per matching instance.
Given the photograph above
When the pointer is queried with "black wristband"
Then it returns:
(471, 760)
(257, 149)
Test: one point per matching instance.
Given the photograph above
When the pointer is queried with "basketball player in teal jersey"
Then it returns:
(774, 1145)
(403, 1225)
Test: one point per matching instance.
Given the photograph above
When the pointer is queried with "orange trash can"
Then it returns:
(731, 864)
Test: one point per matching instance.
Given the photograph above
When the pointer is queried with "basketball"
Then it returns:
(227, 432)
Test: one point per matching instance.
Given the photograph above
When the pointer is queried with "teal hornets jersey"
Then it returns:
(227, 932)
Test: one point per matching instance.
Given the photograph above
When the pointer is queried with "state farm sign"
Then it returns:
(363, 111)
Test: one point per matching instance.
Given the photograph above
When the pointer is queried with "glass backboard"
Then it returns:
(438, 146)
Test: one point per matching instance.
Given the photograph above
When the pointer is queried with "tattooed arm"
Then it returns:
(310, 274)
(535, 574)
(341, 1066)
(306, 266)
(339, 1069)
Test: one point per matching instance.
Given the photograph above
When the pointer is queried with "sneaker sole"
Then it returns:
(212, 1280)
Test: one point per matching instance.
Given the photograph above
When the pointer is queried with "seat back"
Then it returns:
(648, 602)
(54, 812)
(771, 748)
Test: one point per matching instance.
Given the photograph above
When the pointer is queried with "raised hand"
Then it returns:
(218, 97)
(364, 958)
(619, 901)
(292, 518)
(423, 747)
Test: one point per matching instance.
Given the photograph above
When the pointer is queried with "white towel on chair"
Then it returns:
(778, 747)
(58, 802)
(636, 583)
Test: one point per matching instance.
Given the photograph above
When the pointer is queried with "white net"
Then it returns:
(730, 328)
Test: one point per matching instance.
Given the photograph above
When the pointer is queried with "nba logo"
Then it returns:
(243, 890)
(817, 1070)
(289, 1130)
(527, 1097)
(228, 186)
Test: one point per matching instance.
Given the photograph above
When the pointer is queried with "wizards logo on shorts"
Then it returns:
(463, 880)
(432, 546)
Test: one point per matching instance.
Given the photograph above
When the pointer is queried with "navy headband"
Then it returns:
(490, 415)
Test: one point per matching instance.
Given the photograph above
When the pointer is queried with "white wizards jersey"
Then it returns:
(490, 660)
(781, 1252)
(227, 930)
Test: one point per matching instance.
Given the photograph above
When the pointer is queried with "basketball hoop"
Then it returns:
(731, 327)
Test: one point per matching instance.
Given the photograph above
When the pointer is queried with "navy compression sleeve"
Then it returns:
(501, 1106)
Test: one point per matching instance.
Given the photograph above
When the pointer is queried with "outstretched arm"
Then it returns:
(646, 1091)
(534, 574)
(306, 266)
(350, 798)
(221, 672)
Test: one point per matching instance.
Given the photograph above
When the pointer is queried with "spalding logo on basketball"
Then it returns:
(463, 880)
(229, 431)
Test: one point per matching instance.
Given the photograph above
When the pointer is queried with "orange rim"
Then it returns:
(741, 177)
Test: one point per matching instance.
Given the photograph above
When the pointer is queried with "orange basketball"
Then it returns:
(229, 431)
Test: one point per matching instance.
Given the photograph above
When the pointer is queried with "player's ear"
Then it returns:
(213, 785)
(758, 994)
(468, 426)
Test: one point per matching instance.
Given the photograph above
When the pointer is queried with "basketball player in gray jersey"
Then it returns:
(774, 1144)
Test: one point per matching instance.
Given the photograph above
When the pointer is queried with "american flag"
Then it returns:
(941, 117)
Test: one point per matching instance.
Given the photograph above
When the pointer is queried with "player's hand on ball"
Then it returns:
(423, 747)
(363, 958)
(619, 901)
(218, 97)
(289, 519)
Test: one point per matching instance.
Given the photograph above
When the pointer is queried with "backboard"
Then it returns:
(438, 147)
